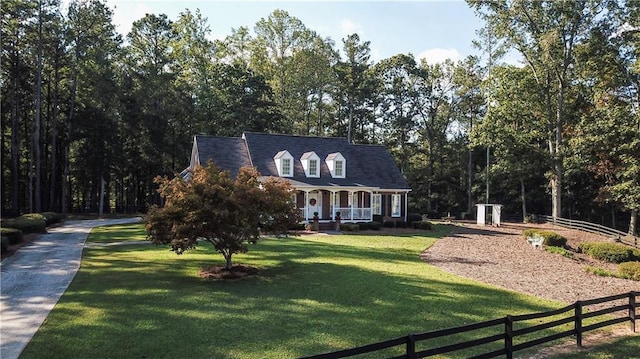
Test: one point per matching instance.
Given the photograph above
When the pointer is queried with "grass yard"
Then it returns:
(313, 294)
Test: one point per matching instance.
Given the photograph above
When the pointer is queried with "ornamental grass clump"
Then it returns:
(610, 252)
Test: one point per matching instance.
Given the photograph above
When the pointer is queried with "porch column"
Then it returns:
(370, 205)
(406, 206)
(351, 202)
(332, 199)
(306, 205)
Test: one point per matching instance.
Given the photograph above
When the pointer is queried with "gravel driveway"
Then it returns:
(35, 277)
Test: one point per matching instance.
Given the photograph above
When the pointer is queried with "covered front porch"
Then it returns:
(357, 204)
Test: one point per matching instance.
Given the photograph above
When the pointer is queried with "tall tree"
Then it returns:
(355, 90)
(546, 33)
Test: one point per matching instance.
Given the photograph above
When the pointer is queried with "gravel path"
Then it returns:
(35, 277)
(501, 256)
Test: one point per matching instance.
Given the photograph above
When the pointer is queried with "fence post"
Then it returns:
(578, 323)
(508, 337)
(632, 310)
(411, 347)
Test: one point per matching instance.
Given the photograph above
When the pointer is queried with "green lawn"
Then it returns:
(313, 294)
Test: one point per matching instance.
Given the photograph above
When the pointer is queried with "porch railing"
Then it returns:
(353, 213)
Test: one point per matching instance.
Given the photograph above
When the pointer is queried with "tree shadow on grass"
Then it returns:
(308, 298)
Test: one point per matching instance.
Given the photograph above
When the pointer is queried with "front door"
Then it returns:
(315, 204)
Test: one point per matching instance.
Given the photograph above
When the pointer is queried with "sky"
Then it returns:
(429, 29)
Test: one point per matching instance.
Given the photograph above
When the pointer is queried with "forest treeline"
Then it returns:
(87, 111)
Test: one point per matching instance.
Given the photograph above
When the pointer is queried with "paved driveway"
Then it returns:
(34, 278)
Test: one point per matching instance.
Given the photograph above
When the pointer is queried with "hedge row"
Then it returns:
(552, 239)
(33, 222)
(610, 252)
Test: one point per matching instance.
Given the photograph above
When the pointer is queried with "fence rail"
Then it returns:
(508, 332)
(593, 228)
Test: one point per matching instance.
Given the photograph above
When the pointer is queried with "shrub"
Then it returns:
(414, 217)
(609, 252)
(378, 218)
(349, 227)
(52, 218)
(4, 244)
(375, 225)
(601, 272)
(12, 235)
(629, 270)
(532, 218)
(559, 250)
(402, 224)
(422, 225)
(389, 224)
(552, 239)
(28, 223)
(363, 226)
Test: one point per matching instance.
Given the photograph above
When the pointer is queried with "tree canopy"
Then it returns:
(213, 207)
(90, 117)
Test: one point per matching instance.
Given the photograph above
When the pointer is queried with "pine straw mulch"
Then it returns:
(502, 257)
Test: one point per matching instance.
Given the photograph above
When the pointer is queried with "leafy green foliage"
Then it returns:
(610, 252)
(550, 238)
(27, 223)
(11, 235)
(213, 207)
(629, 270)
(422, 225)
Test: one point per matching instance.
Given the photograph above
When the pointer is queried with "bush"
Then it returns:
(532, 218)
(4, 244)
(375, 226)
(389, 224)
(28, 223)
(349, 227)
(629, 270)
(363, 226)
(414, 217)
(378, 218)
(422, 225)
(609, 252)
(402, 224)
(552, 239)
(12, 235)
(52, 218)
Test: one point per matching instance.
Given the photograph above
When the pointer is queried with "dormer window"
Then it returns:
(337, 165)
(311, 164)
(284, 163)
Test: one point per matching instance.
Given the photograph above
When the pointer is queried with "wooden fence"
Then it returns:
(508, 332)
(593, 228)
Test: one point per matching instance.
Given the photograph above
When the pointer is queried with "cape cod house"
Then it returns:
(329, 175)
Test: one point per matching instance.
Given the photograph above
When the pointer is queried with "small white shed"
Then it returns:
(496, 211)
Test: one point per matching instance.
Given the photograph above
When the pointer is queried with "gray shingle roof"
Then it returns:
(228, 153)
(366, 165)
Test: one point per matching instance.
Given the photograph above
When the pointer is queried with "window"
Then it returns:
(395, 205)
(313, 168)
(338, 169)
(310, 164)
(286, 167)
(376, 203)
(337, 165)
(284, 163)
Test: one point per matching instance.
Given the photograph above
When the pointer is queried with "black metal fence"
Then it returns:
(509, 332)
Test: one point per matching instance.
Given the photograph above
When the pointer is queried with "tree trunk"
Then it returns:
(227, 257)
(15, 150)
(523, 198)
(470, 174)
(37, 120)
(633, 222)
(53, 202)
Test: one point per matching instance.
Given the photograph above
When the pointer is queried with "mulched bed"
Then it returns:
(220, 272)
(502, 257)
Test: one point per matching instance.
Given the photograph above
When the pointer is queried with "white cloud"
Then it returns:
(348, 27)
(437, 55)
